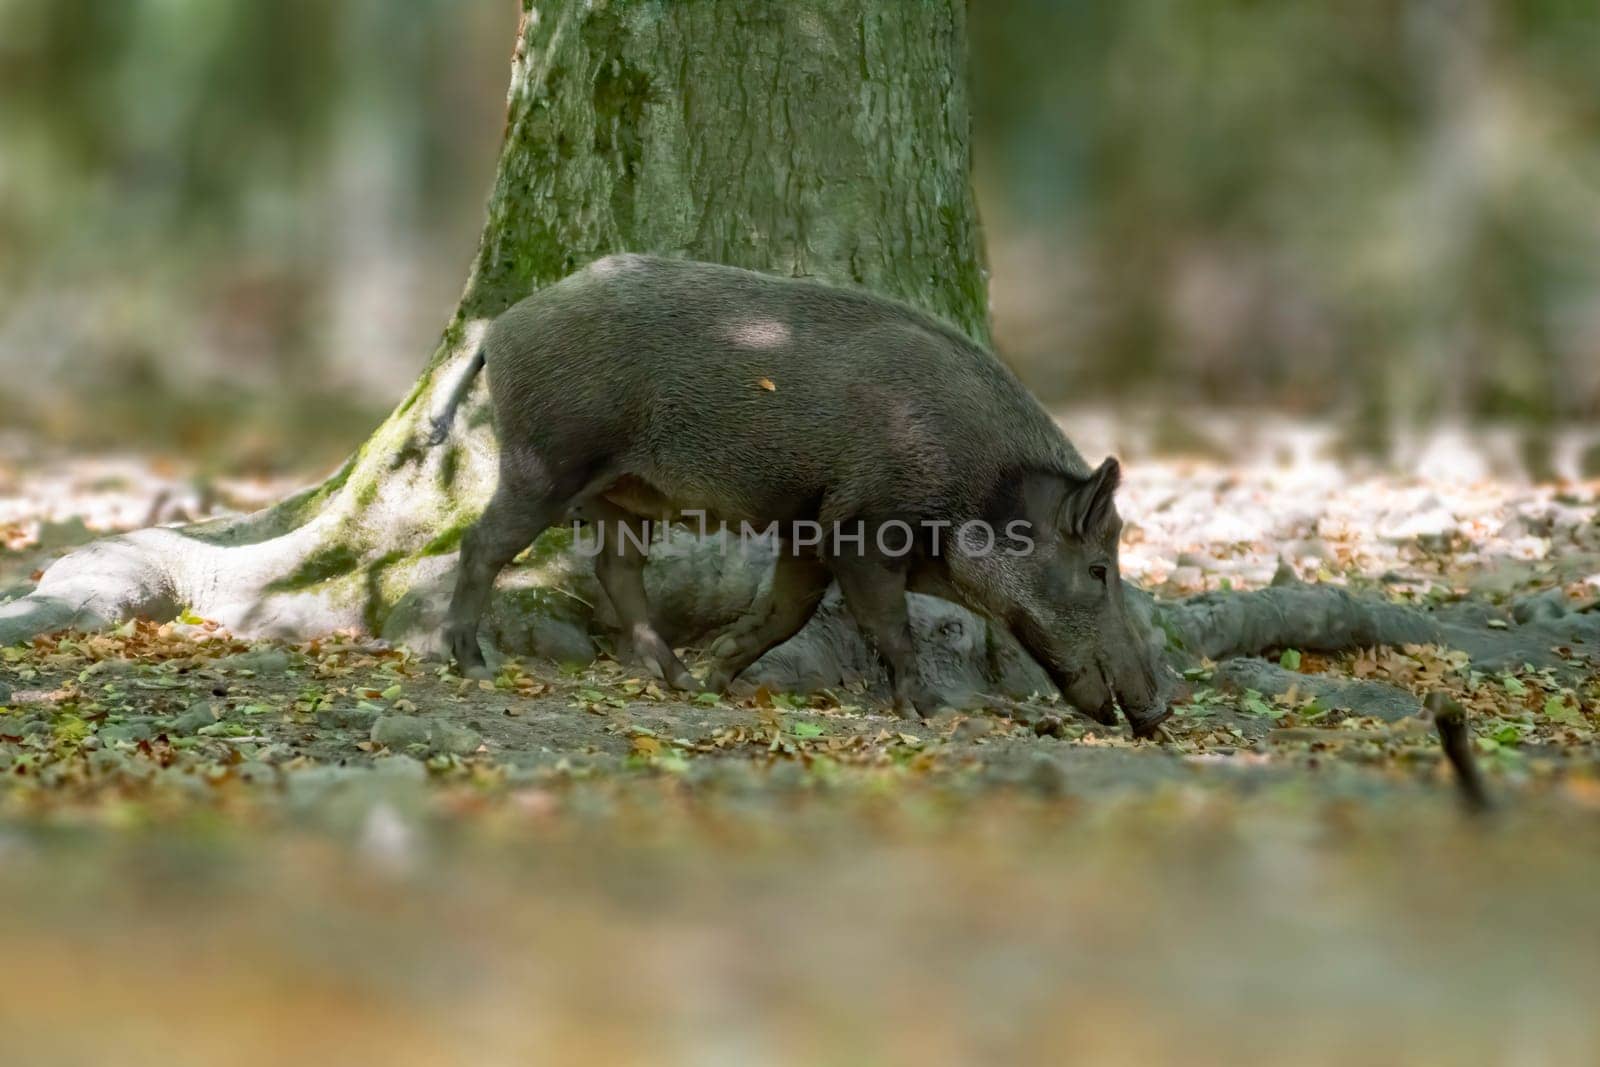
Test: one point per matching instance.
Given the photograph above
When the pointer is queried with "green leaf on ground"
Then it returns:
(1561, 708)
(1256, 705)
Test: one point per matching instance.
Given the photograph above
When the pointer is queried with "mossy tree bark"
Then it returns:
(804, 137)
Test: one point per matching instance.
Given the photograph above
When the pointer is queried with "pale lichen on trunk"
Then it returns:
(802, 137)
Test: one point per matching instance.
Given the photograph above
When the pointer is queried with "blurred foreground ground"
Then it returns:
(218, 852)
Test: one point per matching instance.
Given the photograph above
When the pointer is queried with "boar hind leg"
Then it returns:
(514, 517)
(875, 593)
(620, 568)
(798, 583)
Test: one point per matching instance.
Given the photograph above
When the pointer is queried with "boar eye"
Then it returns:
(1098, 573)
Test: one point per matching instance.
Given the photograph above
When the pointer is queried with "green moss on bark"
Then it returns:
(551, 545)
(448, 540)
(325, 564)
(802, 137)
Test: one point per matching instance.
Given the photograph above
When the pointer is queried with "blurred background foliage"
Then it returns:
(236, 226)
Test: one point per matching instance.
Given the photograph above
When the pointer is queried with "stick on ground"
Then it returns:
(1451, 720)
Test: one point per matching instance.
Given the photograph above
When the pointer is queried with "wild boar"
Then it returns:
(884, 449)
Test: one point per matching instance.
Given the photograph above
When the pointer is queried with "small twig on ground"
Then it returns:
(1451, 720)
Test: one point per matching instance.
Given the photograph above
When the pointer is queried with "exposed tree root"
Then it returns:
(1323, 618)
(340, 555)
(1310, 617)
(1378, 700)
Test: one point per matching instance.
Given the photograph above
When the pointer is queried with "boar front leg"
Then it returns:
(798, 583)
(517, 513)
(875, 592)
(620, 569)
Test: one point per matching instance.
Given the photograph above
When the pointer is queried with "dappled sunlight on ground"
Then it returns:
(1195, 525)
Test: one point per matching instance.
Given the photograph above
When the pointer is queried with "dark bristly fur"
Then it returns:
(644, 386)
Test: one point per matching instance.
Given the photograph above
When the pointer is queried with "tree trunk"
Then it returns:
(803, 137)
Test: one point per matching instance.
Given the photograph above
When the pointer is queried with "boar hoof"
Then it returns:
(921, 704)
(1146, 725)
(467, 655)
(905, 709)
(684, 682)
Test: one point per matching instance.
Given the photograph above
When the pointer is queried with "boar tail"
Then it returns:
(446, 415)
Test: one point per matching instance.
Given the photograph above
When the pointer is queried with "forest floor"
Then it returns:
(227, 850)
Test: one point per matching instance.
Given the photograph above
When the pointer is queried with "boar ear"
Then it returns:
(1088, 503)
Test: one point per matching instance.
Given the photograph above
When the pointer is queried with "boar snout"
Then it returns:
(1089, 693)
(1084, 687)
(1098, 693)
(1142, 700)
